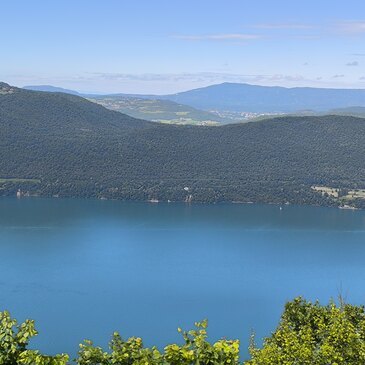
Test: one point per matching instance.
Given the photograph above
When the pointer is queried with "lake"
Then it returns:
(85, 268)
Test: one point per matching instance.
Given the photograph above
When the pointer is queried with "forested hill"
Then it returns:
(63, 145)
(57, 112)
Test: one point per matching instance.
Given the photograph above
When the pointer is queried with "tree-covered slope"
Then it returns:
(68, 146)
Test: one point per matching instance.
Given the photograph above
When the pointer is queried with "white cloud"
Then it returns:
(207, 77)
(293, 30)
(351, 27)
(220, 37)
(353, 63)
(285, 26)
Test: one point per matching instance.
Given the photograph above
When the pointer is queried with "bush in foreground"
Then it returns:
(308, 333)
(14, 339)
(314, 334)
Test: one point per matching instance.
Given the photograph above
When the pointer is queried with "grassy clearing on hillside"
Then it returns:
(341, 195)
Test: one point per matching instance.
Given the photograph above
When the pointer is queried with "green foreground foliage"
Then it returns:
(314, 334)
(14, 339)
(308, 333)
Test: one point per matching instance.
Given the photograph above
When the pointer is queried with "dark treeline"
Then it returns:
(77, 148)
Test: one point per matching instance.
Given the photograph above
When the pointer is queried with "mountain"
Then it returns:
(156, 110)
(54, 144)
(50, 88)
(253, 98)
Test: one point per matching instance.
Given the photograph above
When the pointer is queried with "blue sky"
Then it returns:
(161, 46)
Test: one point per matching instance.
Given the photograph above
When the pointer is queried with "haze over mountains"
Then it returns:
(236, 97)
(56, 144)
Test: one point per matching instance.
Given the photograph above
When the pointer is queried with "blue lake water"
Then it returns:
(86, 268)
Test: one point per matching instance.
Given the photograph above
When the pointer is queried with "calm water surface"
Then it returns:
(85, 268)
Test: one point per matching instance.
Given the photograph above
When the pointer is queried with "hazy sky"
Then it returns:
(164, 46)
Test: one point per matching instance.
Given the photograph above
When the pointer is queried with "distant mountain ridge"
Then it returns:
(51, 89)
(237, 97)
(254, 98)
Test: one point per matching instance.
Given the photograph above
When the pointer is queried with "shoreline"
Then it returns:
(191, 202)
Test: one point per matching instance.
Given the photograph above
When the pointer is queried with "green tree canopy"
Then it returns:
(194, 350)
(14, 339)
(309, 333)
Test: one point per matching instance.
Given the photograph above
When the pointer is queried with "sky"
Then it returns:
(167, 46)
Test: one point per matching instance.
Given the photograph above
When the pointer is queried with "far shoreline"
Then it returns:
(152, 202)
